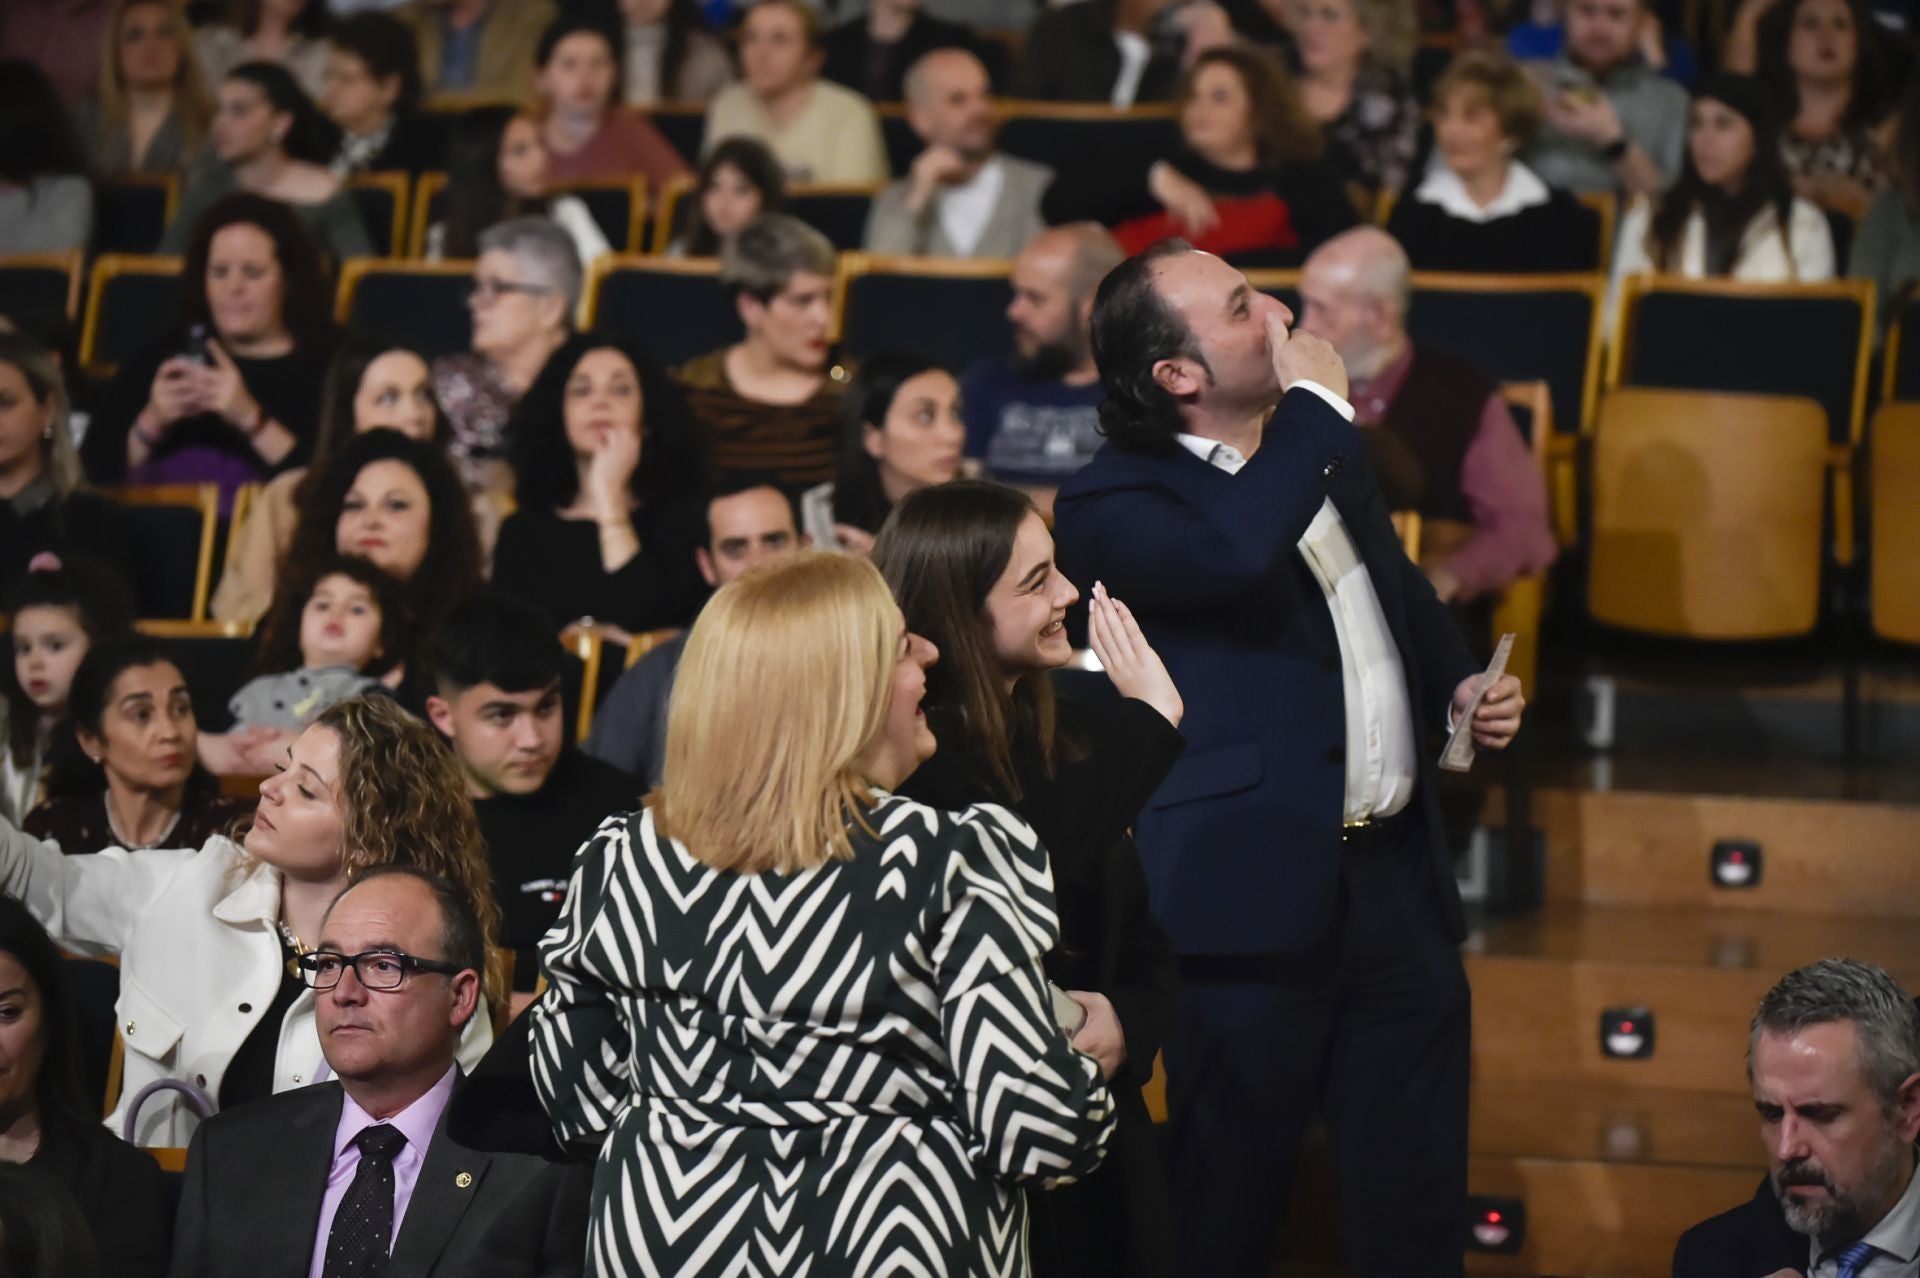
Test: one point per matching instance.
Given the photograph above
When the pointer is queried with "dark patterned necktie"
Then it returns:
(362, 1233)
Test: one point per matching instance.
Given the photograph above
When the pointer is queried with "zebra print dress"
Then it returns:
(844, 1071)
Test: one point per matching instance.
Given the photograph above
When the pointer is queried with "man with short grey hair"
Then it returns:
(962, 197)
(1833, 1057)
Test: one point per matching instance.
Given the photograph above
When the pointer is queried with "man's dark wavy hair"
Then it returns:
(1134, 329)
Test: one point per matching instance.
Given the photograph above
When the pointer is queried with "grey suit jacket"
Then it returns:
(892, 228)
(256, 1174)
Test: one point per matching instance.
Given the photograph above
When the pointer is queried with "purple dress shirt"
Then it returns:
(417, 1122)
(1502, 485)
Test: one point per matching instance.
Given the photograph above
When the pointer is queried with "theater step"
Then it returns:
(1541, 984)
(1604, 1219)
(1615, 1123)
(1642, 848)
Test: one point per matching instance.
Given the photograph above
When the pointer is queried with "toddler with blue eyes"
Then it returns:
(351, 633)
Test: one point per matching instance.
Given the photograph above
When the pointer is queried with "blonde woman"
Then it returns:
(793, 1006)
(207, 937)
(153, 110)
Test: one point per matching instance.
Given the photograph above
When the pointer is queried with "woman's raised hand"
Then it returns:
(1129, 660)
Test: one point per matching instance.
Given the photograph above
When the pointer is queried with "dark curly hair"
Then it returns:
(1871, 95)
(858, 498)
(452, 564)
(752, 160)
(59, 1082)
(312, 136)
(1134, 329)
(672, 459)
(304, 297)
(279, 649)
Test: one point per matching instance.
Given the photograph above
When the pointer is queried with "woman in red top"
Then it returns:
(1246, 181)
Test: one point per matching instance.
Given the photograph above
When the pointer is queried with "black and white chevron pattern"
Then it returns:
(848, 1071)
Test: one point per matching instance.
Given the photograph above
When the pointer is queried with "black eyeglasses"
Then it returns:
(374, 969)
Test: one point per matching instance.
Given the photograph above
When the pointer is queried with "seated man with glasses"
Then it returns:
(526, 289)
(357, 1175)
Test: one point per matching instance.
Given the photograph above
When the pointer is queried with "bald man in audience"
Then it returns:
(1481, 497)
(1033, 416)
(962, 197)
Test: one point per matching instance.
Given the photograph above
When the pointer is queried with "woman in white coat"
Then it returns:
(206, 938)
(1732, 214)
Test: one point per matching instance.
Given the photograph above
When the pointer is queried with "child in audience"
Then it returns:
(739, 180)
(352, 631)
(58, 611)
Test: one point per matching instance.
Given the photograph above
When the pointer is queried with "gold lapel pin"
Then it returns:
(463, 1180)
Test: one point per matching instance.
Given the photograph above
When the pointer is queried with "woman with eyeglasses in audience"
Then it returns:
(372, 384)
(396, 502)
(972, 565)
(497, 171)
(1479, 208)
(608, 468)
(208, 938)
(671, 56)
(270, 140)
(1247, 180)
(739, 180)
(51, 1126)
(152, 110)
(288, 33)
(895, 1049)
(46, 203)
(901, 430)
(231, 395)
(588, 134)
(1733, 213)
(526, 288)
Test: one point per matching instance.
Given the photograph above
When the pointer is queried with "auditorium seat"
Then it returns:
(674, 308)
(684, 124)
(1518, 328)
(131, 212)
(217, 659)
(94, 987)
(174, 526)
(428, 207)
(131, 303)
(41, 283)
(668, 213)
(1903, 352)
(601, 661)
(645, 643)
(1517, 610)
(837, 210)
(903, 144)
(1761, 339)
(424, 303)
(618, 207)
(1708, 514)
(382, 201)
(953, 308)
(1894, 540)
(1066, 135)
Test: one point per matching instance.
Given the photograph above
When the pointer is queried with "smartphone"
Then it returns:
(196, 347)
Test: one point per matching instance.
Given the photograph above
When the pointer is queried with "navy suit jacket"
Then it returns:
(1242, 841)
(1751, 1241)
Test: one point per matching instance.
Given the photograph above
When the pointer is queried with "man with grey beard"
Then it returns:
(1834, 1060)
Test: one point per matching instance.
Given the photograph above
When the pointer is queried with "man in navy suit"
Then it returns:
(1295, 852)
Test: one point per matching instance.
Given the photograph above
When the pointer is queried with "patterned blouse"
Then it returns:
(1850, 153)
(851, 1069)
(479, 405)
(1372, 142)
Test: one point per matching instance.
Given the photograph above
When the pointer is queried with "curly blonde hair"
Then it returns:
(403, 800)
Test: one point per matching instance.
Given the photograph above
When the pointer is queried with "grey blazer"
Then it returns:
(891, 228)
(255, 1176)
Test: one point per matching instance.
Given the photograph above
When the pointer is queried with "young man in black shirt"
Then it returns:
(496, 670)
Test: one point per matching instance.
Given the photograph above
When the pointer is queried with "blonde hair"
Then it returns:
(1393, 31)
(783, 683)
(1509, 91)
(40, 367)
(192, 104)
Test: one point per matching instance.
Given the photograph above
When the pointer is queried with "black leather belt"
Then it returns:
(1377, 832)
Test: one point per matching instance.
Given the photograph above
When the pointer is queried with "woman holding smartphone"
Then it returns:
(972, 566)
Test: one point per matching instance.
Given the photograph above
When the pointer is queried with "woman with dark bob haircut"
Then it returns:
(231, 394)
(50, 1123)
(972, 566)
(607, 462)
(397, 502)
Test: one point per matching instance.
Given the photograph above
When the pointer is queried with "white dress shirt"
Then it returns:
(1897, 1236)
(1381, 767)
(1522, 190)
(1135, 53)
(966, 208)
